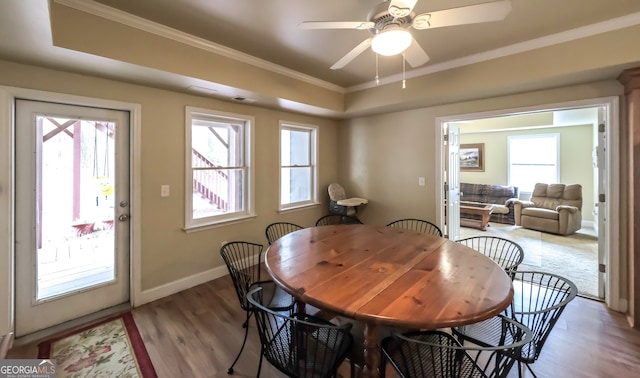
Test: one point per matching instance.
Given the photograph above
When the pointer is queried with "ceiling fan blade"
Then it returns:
(401, 8)
(351, 55)
(472, 14)
(359, 25)
(415, 54)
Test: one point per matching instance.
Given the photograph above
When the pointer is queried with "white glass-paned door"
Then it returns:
(72, 229)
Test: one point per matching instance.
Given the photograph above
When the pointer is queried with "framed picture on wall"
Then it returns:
(472, 157)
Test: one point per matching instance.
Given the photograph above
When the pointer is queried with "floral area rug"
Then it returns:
(109, 348)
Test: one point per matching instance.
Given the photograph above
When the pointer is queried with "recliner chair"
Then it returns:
(554, 208)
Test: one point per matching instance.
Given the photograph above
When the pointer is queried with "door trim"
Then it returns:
(7, 140)
(613, 297)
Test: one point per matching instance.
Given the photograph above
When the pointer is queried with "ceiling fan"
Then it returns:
(390, 21)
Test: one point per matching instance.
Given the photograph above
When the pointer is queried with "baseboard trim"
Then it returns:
(589, 224)
(623, 305)
(71, 324)
(165, 290)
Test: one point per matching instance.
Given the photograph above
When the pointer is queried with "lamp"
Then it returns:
(391, 41)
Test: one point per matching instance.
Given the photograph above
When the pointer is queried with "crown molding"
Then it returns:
(112, 14)
(630, 79)
(549, 40)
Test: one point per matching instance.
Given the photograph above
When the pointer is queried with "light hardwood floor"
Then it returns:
(197, 333)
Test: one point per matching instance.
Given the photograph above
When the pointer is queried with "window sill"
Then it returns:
(225, 223)
(299, 208)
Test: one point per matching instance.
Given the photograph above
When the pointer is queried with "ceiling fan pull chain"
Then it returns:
(404, 82)
(377, 76)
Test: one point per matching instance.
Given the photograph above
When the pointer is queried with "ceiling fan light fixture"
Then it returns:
(391, 41)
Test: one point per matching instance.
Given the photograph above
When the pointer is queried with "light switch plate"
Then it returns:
(164, 190)
(421, 181)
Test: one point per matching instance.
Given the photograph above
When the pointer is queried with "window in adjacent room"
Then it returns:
(219, 175)
(298, 170)
(533, 158)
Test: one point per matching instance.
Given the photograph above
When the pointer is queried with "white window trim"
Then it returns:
(314, 140)
(532, 136)
(249, 194)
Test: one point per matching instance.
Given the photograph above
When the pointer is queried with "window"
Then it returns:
(533, 159)
(219, 175)
(298, 183)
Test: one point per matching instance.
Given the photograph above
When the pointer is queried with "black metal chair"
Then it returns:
(426, 354)
(275, 231)
(417, 225)
(504, 252)
(332, 219)
(539, 300)
(299, 345)
(243, 260)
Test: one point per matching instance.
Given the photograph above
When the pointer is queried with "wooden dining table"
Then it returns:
(387, 276)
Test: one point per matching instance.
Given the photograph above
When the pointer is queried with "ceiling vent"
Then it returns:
(243, 99)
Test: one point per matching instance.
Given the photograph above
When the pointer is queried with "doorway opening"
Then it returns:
(587, 139)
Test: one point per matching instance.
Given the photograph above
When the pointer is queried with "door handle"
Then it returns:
(123, 217)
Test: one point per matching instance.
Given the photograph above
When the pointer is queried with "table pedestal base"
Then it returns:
(371, 351)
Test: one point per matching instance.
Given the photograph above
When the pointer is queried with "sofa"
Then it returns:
(501, 197)
(554, 208)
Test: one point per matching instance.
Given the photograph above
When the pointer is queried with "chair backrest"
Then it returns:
(504, 252)
(417, 225)
(243, 262)
(332, 219)
(336, 192)
(275, 231)
(299, 345)
(539, 300)
(438, 354)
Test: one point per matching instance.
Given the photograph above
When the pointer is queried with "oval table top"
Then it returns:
(389, 276)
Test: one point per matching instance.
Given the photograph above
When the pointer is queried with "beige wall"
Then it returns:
(381, 157)
(553, 66)
(168, 253)
(114, 40)
(566, 63)
(377, 157)
(576, 167)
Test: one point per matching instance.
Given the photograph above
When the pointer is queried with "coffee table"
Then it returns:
(483, 210)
